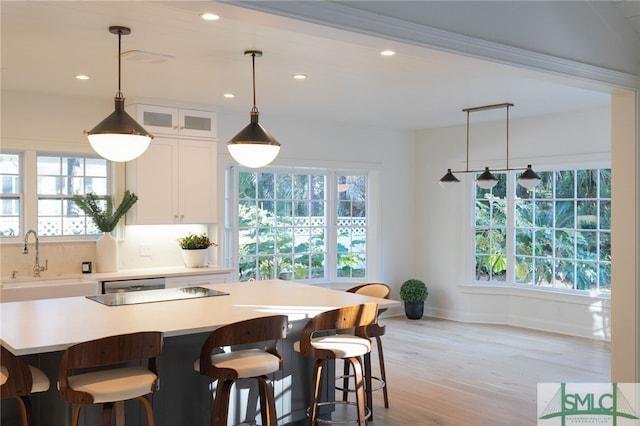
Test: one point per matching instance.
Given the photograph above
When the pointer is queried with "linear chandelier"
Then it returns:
(487, 180)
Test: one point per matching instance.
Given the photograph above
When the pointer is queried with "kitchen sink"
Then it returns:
(32, 288)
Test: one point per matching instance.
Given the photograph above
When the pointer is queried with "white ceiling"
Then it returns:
(45, 44)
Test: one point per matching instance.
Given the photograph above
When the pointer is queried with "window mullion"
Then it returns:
(331, 239)
(30, 215)
(511, 233)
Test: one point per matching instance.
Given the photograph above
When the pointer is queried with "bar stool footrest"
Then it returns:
(381, 384)
(367, 413)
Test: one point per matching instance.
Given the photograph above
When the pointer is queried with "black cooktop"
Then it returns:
(150, 296)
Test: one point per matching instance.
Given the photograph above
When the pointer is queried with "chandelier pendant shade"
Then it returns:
(449, 180)
(119, 137)
(487, 180)
(253, 146)
(529, 179)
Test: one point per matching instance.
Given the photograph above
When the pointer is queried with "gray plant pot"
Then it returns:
(414, 310)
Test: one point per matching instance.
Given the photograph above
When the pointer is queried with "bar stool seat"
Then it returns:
(101, 371)
(247, 363)
(40, 381)
(336, 345)
(18, 380)
(342, 345)
(118, 384)
(219, 361)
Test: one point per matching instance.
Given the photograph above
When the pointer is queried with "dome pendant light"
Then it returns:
(529, 179)
(449, 180)
(486, 180)
(253, 147)
(119, 137)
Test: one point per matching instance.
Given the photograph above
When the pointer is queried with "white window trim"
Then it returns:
(330, 169)
(469, 284)
(29, 213)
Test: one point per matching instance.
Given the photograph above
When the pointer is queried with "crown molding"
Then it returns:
(349, 19)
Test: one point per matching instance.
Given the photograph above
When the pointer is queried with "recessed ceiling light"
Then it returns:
(299, 76)
(82, 77)
(387, 53)
(207, 16)
(229, 95)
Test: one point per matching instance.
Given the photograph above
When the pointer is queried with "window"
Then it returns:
(557, 235)
(59, 179)
(301, 225)
(11, 195)
(352, 226)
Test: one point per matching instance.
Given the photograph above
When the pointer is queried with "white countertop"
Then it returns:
(54, 324)
(168, 271)
(125, 274)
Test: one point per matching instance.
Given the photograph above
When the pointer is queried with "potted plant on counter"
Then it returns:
(413, 293)
(100, 210)
(195, 249)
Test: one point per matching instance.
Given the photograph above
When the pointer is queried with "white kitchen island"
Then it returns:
(42, 329)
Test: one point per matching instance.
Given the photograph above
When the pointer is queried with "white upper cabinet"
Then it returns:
(175, 178)
(162, 120)
(175, 181)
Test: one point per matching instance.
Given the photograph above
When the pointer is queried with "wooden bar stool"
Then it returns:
(254, 363)
(334, 345)
(375, 330)
(18, 380)
(118, 383)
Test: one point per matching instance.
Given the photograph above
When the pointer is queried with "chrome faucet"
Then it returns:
(36, 268)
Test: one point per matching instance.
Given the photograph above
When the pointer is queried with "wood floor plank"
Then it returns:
(457, 374)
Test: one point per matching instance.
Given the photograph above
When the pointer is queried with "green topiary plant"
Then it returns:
(195, 242)
(105, 218)
(413, 290)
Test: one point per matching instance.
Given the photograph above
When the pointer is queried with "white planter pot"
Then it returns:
(107, 253)
(197, 258)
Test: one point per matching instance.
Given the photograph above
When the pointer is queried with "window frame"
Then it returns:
(20, 195)
(473, 285)
(62, 197)
(373, 205)
(29, 179)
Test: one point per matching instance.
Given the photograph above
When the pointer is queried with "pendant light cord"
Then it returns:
(119, 59)
(468, 112)
(507, 136)
(119, 94)
(253, 65)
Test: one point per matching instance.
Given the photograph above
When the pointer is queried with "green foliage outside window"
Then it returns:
(561, 231)
(283, 227)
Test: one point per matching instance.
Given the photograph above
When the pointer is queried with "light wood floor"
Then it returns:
(454, 374)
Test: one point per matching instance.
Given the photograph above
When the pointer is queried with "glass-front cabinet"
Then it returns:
(181, 122)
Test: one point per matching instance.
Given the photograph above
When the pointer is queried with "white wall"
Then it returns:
(442, 242)
(422, 226)
(31, 121)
